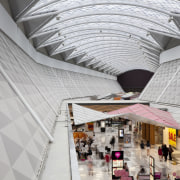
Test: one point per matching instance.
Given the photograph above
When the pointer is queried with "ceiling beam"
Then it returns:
(78, 55)
(84, 60)
(58, 51)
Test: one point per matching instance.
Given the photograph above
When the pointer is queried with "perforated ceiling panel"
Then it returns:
(112, 36)
(83, 115)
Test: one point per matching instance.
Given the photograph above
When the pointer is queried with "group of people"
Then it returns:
(83, 147)
(148, 146)
(164, 151)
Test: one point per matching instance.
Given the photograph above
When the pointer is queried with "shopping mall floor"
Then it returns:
(134, 156)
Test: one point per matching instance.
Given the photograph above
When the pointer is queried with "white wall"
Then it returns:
(170, 55)
(23, 145)
(166, 136)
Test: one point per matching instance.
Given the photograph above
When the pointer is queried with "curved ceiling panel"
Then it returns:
(109, 35)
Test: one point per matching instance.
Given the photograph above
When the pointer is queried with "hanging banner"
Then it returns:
(172, 137)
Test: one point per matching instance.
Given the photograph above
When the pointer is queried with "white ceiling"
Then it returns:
(108, 35)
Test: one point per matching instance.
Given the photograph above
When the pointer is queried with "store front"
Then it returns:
(170, 137)
(152, 133)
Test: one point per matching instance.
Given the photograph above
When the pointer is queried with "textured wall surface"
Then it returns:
(22, 142)
(164, 86)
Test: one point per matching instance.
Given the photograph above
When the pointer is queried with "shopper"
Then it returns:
(141, 172)
(165, 152)
(107, 159)
(89, 152)
(148, 146)
(160, 153)
(142, 145)
(90, 166)
(78, 152)
(125, 167)
(170, 152)
(112, 141)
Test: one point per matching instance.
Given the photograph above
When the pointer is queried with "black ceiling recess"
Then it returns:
(134, 80)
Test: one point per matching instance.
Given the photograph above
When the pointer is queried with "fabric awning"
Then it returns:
(148, 114)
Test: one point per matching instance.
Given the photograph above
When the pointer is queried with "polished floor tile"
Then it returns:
(133, 155)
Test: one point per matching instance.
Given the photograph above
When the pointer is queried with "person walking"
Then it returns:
(90, 166)
(148, 146)
(112, 141)
(165, 152)
(142, 145)
(170, 152)
(107, 160)
(160, 153)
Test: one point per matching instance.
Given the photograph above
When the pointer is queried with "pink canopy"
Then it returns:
(151, 113)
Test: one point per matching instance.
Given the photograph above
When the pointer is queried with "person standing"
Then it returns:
(160, 153)
(163, 151)
(125, 167)
(141, 172)
(78, 152)
(170, 152)
(107, 159)
(148, 146)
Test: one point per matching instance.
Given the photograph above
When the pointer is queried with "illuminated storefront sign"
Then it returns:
(172, 137)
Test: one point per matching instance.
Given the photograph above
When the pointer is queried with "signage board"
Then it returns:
(117, 162)
(121, 133)
(172, 137)
(127, 138)
(103, 124)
